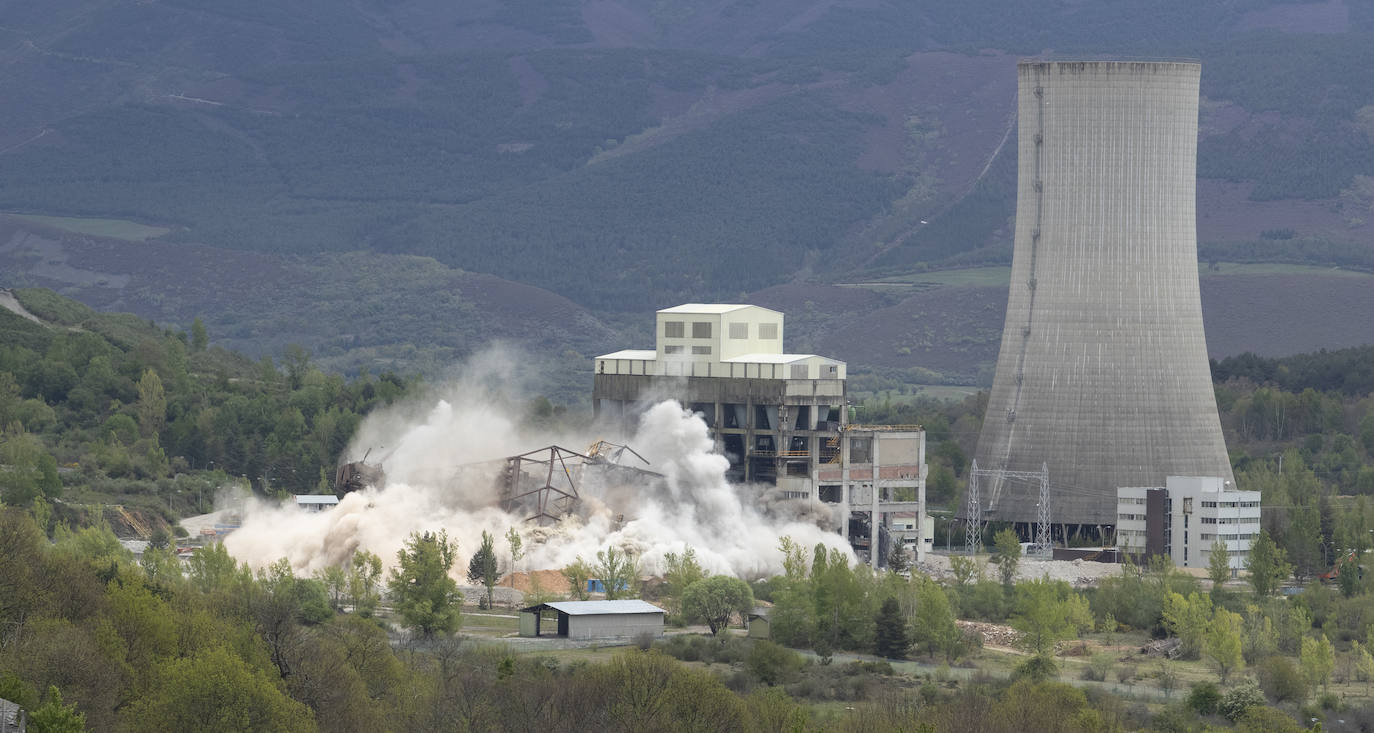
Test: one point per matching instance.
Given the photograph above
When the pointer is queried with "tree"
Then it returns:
(577, 574)
(152, 404)
(1259, 639)
(364, 578)
(54, 717)
(1268, 565)
(211, 567)
(1188, 619)
(1364, 665)
(1006, 555)
(1318, 660)
(715, 599)
(199, 338)
(933, 623)
(890, 631)
(425, 596)
(964, 569)
(517, 547)
(1048, 612)
(482, 568)
(897, 560)
(618, 570)
(1218, 567)
(680, 572)
(215, 691)
(1222, 644)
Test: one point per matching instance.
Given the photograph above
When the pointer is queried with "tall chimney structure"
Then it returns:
(1102, 374)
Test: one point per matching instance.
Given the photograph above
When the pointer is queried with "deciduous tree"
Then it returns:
(425, 596)
(1006, 555)
(1268, 565)
(715, 599)
(619, 572)
(483, 569)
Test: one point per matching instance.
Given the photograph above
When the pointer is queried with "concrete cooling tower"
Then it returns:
(1102, 375)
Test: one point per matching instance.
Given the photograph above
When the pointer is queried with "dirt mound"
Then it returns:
(550, 581)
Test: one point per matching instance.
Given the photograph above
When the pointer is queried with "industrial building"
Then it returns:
(1102, 378)
(780, 419)
(1184, 517)
(593, 620)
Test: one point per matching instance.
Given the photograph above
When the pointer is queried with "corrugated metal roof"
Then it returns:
(588, 608)
(316, 499)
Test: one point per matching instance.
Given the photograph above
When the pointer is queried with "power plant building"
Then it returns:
(1183, 518)
(1102, 376)
(780, 419)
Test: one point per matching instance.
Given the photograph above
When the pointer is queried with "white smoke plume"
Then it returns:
(442, 465)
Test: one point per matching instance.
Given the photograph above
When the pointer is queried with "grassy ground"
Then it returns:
(129, 231)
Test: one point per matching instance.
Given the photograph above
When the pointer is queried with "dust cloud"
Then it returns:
(443, 456)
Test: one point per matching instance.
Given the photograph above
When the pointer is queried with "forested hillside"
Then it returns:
(106, 408)
(628, 155)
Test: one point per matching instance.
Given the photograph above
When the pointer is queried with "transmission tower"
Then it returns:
(973, 521)
(1042, 520)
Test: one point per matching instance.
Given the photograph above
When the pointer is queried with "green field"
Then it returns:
(129, 231)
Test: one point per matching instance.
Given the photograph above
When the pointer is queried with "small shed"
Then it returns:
(759, 625)
(610, 620)
(316, 502)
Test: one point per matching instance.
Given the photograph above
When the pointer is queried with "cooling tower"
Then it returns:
(1102, 374)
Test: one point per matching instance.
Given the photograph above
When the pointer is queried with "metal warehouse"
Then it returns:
(623, 620)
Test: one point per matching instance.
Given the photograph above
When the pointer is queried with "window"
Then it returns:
(1205, 504)
(701, 349)
(701, 329)
(672, 349)
(768, 331)
(832, 371)
(739, 330)
(674, 329)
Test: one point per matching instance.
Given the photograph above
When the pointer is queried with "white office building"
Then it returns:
(1183, 518)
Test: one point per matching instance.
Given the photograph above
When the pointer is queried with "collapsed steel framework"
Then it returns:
(556, 471)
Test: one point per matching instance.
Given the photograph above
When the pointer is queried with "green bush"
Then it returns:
(772, 664)
(1281, 680)
(1204, 698)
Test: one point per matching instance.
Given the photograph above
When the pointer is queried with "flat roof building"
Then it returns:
(1183, 518)
(780, 418)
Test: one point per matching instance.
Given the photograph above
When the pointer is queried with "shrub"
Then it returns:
(1097, 668)
(1281, 680)
(771, 664)
(1240, 698)
(1204, 698)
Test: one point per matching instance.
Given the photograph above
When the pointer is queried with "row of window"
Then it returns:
(702, 330)
(1230, 504)
(676, 349)
(1227, 537)
(1133, 500)
(1230, 520)
(1129, 517)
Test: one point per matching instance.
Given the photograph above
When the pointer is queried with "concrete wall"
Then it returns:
(750, 326)
(615, 626)
(1102, 372)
